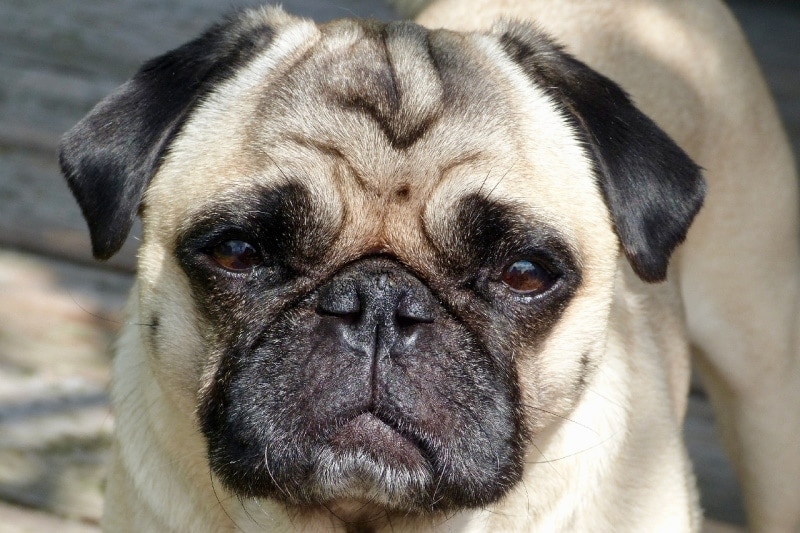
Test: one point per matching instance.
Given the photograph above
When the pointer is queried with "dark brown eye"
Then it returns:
(236, 256)
(527, 277)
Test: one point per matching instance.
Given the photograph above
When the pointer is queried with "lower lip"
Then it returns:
(368, 434)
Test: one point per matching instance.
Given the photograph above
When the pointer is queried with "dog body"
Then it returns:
(400, 279)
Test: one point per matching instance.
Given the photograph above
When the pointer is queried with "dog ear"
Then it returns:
(652, 188)
(110, 156)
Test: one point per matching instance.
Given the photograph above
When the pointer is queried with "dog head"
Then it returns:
(377, 259)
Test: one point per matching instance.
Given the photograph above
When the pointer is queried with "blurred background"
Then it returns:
(59, 311)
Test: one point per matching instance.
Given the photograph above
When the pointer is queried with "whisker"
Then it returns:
(562, 417)
(546, 461)
(271, 476)
(93, 314)
(244, 508)
(488, 195)
(221, 506)
(568, 456)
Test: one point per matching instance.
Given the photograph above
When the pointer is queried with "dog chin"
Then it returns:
(372, 464)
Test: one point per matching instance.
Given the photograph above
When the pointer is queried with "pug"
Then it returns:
(395, 278)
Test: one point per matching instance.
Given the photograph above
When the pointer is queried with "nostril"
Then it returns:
(414, 309)
(406, 323)
(339, 299)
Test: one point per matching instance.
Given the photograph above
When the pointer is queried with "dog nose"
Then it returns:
(377, 306)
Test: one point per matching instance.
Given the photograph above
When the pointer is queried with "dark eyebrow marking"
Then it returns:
(487, 231)
(283, 219)
(387, 80)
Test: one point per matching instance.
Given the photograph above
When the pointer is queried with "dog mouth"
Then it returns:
(368, 459)
(379, 439)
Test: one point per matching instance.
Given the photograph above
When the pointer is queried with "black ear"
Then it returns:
(651, 187)
(110, 156)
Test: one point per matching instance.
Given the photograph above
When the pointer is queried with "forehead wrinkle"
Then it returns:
(458, 161)
(387, 74)
(416, 74)
(329, 149)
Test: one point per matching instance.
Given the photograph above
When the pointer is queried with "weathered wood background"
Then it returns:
(59, 310)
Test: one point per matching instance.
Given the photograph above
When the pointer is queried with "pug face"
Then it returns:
(377, 260)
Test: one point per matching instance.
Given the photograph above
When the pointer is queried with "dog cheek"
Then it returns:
(169, 330)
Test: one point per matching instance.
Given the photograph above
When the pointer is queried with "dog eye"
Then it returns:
(236, 256)
(527, 277)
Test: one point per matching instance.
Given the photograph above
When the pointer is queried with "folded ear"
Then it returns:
(653, 190)
(110, 156)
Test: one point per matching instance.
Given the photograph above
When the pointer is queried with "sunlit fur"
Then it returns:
(386, 165)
